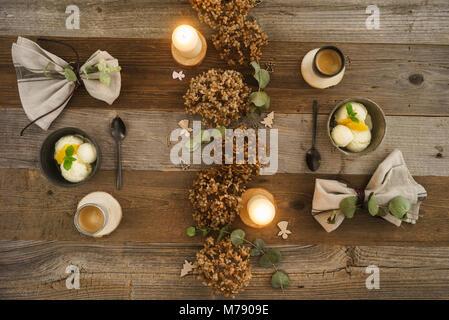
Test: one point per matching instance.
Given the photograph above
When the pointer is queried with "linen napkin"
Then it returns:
(43, 86)
(391, 178)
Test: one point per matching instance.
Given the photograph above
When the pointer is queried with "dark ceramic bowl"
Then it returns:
(379, 125)
(50, 167)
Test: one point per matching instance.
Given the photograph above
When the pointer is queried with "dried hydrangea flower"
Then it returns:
(216, 192)
(240, 42)
(217, 13)
(219, 96)
(224, 267)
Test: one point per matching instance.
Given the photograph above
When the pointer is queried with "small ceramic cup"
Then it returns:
(338, 53)
(379, 125)
(105, 219)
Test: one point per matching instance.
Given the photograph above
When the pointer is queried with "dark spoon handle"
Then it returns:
(315, 119)
(119, 167)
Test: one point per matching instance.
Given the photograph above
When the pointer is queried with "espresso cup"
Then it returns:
(91, 219)
(328, 61)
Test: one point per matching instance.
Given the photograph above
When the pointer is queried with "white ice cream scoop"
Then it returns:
(78, 172)
(359, 108)
(342, 135)
(87, 152)
(360, 142)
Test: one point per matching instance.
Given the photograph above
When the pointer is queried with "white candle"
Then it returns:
(261, 210)
(186, 40)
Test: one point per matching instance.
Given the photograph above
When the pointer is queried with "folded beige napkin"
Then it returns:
(43, 86)
(391, 178)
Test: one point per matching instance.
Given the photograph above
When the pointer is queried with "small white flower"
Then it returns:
(178, 75)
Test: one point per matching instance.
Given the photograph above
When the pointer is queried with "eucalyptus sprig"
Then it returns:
(269, 257)
(260, 99)
(193, 230)
(101, 67)
(104, 71)
(69, 159)
(398, 207)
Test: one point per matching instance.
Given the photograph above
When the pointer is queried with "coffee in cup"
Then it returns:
(90, 219)
(329, 61)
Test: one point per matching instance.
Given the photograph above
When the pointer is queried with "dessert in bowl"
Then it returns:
(69, 157)
(356, 126)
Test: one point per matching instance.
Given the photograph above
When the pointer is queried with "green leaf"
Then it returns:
(69, 74)
(191, 231)
(223, 232)
(222, 130)
(101, 65)
(272, 257)
(237, 237)
(255, 65)
(352, 114)
(280, 279)
(258, 249)
(204, 230)
(399, 206)
(373, 206)
(266, 106)
(70, 150)
(348, 206)
(67, 165)
(263, 78)
(382, 212)
(68, 158)
(259, 98)
(105, 78)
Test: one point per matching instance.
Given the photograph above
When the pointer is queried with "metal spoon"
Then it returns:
(118, 132)
(313, 157)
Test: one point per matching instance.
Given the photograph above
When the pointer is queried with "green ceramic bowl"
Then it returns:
(379, 125)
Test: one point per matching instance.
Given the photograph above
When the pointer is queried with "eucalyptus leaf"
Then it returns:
(259, 98)
(69, 74)
(255, 65)
(237, 237)
(280, 279)
(348, 206)
(266, 106)
(191, 231)
(272, 257)
(373, 206)
(382, 212)
(258, 249)
(399, 206)
(223, 232)
(263, 78)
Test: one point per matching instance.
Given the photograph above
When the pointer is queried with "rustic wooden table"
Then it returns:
(403, 66)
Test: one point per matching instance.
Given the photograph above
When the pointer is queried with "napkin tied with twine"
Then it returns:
(391, 178)
(43, 87)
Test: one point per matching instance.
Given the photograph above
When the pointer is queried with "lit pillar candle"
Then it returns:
(258, 208)
(187, 41)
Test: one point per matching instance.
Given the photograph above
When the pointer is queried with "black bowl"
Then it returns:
(50, 167)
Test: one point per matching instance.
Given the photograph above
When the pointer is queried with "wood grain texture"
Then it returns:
(156, 210)
(402, 79)
(401, 21)
(36, 270)
(424, 141)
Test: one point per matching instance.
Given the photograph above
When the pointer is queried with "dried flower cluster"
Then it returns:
(219, 96)
(217, 13)
(238, 40)
(224, 267)
(216, 194)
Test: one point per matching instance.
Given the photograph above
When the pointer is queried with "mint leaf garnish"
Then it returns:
(352, 114)
(68, 159)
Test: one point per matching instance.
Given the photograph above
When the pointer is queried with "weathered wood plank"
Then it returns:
(401, 21)
(36, 270)
(156, 210)
(423, 140)
(377, 71)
